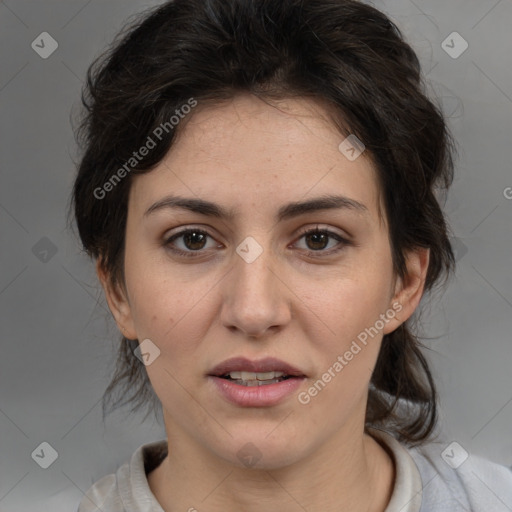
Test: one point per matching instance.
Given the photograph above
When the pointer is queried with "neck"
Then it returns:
(351, 471)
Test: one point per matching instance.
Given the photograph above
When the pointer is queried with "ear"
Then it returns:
(118, 303)
(409, 289)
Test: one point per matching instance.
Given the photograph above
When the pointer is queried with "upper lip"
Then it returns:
(268, 364)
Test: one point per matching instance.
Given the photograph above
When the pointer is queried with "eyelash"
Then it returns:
(191, 254)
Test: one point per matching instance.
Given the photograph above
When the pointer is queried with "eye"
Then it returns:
(318, 240)
(190, 241)
(193, 242)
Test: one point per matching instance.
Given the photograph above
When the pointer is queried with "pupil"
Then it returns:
(317, 238)
(193, 238)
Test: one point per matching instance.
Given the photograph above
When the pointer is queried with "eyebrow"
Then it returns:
(288, 211)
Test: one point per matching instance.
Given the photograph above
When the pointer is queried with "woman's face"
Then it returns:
(254, 286)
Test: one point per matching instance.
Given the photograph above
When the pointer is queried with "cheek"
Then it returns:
(343, 338)
(165, 315)
(170, 308)
(344, 344)
(174, 316)
(346, 303)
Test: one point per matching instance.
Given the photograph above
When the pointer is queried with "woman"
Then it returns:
(258, 189)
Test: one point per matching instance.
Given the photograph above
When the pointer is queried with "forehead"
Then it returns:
(246, 153)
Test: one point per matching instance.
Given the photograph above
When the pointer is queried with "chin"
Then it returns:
(259, 450)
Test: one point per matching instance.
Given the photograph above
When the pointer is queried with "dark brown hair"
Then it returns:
(343, 53)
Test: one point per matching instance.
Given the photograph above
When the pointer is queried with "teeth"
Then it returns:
(253, 376)
(252, 383)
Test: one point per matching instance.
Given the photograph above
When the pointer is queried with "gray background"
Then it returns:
(57, 339)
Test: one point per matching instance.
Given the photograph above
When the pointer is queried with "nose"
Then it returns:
(256, 300)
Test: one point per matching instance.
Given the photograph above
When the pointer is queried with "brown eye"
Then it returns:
(194, 240)
(321, 241)
(190, 242)
(317, 241)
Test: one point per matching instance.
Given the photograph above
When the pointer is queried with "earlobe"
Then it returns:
(117, 302)
(409, 289)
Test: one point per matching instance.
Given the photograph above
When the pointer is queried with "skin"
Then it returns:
(306, 309)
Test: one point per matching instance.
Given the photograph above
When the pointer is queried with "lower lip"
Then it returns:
(256, 396)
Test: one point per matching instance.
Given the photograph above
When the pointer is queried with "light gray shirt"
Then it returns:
(435, 477)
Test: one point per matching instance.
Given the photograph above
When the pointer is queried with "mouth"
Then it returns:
(261, 383)
(250, 379)
(264, 371)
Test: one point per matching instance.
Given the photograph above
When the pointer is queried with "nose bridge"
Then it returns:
(253, 298)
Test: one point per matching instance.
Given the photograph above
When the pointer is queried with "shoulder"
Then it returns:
(102, 495)
(453, 479)
(127, 488)
(441, 476)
